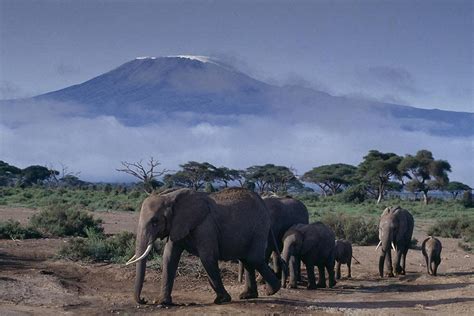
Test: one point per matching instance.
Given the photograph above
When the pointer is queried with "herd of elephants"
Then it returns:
(237, 224)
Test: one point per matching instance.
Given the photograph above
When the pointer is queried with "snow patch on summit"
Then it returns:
(203, 59)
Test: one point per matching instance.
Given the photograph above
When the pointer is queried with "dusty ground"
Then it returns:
(32, 282)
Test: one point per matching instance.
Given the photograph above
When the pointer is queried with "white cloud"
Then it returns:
(95, 146)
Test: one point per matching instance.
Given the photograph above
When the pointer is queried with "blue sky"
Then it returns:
(409, 52)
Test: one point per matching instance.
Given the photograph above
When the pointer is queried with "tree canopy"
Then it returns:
(424, 173)
(331, 178)
(378, 169)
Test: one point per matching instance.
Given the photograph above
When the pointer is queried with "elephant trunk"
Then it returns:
(142, 247)
(386, 244)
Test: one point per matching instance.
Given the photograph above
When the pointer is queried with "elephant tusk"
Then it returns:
(380, 242)
(393, 246)
(134, 256)
(147, 251)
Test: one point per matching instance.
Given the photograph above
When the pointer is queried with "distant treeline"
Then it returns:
(378, 174)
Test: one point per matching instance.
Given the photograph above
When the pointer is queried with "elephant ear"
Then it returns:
(189, 209)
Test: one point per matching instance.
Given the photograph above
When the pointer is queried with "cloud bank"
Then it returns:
(60, 133)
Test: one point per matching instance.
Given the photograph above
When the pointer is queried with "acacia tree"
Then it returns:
(378, 170)
(226, 175)
(270, 177)
(331, 178)
(455, 188)
(424, 173)
(9, 174)
(193, 175)
(148, 173)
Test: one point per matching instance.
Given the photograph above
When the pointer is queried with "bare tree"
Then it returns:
(146, 173)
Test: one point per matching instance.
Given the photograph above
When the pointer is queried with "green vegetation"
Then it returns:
(98, 247)
(458, 227)
(14, 230)
(356, 229)
(105, 198)
(63, 221)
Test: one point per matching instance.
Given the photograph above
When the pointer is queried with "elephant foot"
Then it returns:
(222, 298)
(332, 283)
(164, 302)
(349, 276)
(141, 301)
(321, 285)
(248, 295)
(311, 287)
(390, 275)
(270, 290)
(292, 285)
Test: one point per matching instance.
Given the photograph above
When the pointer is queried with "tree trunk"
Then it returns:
(425, 197)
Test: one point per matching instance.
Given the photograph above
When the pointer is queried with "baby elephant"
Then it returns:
(314, 245)
(431, 249)
(343, 256)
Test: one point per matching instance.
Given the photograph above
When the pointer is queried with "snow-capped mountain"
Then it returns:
(143, 89)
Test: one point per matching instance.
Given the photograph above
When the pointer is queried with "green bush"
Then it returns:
(353, 228)
(459, 227)
(354, 194)
(59, 220)
(100, 248)
(14, 230)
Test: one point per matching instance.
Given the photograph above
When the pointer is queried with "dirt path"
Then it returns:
(33, 282)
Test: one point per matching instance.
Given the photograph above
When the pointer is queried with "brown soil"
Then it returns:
(33, 282)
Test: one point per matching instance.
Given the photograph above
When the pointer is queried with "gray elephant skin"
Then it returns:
(395, 231)
(228, 225)
(284, 213)
(431, 250)
(343, 256)
(314, 245)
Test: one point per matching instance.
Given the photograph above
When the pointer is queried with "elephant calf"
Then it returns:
(431, 250)
(314, 245)
(343, 256)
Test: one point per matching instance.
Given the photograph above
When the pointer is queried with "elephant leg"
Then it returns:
(338, 270)
(293, 273)
(349, 274)
(398, 258)
(330, 269)
(171, 256)
(436, 264)
(250, 283)
(388, 260)
(241, 271)
(427, 265)
(404, 261)
(212, 268)
(322, 276)
(271, 280)
(311, 277)
(298, 269)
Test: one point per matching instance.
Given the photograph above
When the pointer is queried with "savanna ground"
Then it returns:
(34, 281)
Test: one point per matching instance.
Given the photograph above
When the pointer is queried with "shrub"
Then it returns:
(459, 227)
(14, 230)
(58, 221)
(353, 228)
(354, 194)
(98, 247)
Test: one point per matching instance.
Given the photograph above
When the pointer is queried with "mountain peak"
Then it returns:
(200, 58)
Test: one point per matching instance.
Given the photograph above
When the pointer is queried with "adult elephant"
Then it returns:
(314, 245)
(231, 224)
(284, 213)
(395, 231)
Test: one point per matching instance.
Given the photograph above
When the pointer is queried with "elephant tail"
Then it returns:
(357, 261)
(282, 262)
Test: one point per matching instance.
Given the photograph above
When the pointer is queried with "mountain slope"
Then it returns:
(141, 91)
